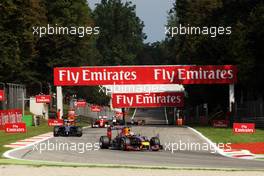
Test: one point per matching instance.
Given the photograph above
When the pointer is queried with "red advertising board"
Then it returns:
(2, 95)
(173, 74)
(10, 116)
(95, 108)
(15, 127)
(220, 123)
(55, 122)
(4, 118)
(80, 103)
(43, 98)
(162, 99)
(244, 128)
(14, 115)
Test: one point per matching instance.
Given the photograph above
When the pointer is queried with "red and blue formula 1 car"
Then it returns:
(128, 141)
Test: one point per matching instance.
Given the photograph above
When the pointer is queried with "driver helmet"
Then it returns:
(126, 131)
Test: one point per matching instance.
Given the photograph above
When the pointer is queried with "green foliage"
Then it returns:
(154, 54)
(27, 58)
(244, 47)
(94, 95)
(30, 59)
(121, 36)
(17, 44)
(66, 50)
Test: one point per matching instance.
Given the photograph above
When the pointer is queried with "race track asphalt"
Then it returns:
(85, 150)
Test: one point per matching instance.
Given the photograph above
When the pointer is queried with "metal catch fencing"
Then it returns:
(250, 112)
(13, 96)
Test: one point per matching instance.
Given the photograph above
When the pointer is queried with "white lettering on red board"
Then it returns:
(225, 74)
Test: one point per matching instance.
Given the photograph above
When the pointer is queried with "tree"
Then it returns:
(121, 37)
(29, 59)
(17, 43)
(66, 50)
(242, 48)
(154, 54)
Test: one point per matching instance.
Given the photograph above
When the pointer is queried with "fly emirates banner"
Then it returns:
(172, 74)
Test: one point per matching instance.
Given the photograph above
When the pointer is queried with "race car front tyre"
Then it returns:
(155, 143)
(104, 142)
(125, 142)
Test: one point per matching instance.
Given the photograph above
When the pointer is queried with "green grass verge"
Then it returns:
(225, 135)
(7, 138)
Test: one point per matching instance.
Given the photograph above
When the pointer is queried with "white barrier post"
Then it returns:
(166, 117)
(59, 101)
(231, 96)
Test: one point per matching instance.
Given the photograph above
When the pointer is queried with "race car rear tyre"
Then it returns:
(56, 131)
(104, 142)
(124, 143)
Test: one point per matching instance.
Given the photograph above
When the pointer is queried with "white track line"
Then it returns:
(7, 153)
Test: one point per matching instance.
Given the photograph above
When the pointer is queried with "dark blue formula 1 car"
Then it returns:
(67, 130)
